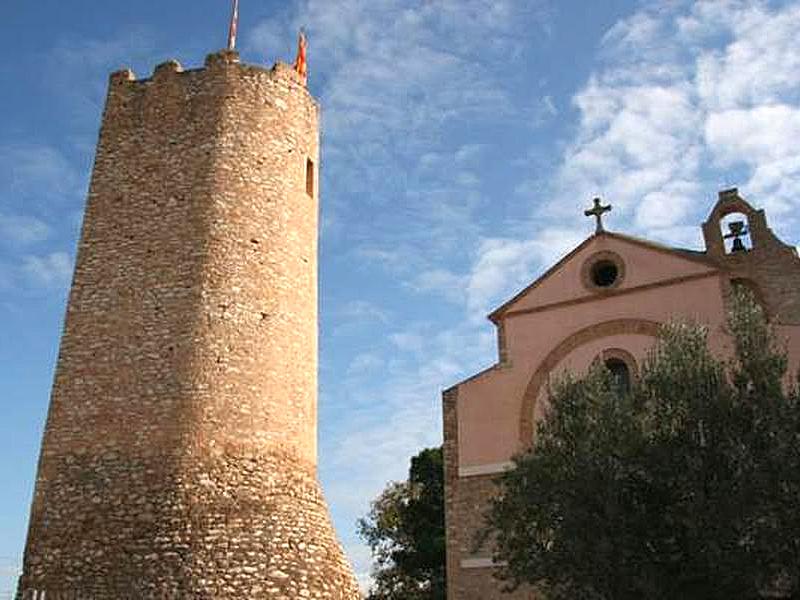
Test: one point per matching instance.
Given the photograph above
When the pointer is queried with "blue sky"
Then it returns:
(461, 141)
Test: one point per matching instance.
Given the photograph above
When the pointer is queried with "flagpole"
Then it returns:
(234, 26)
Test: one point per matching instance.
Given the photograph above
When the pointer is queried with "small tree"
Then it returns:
(686, 487)
(405, 531)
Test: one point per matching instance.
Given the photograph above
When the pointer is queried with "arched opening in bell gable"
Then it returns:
(735, 230)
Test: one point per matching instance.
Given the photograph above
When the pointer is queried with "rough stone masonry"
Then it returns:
(179, 455)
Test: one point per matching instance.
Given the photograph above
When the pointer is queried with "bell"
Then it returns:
(737, 229)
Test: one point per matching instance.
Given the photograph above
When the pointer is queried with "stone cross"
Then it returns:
(597, 212)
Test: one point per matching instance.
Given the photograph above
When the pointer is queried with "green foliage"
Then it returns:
(405, 530)
(686, 487)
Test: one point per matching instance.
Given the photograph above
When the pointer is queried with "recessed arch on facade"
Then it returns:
(583, 336)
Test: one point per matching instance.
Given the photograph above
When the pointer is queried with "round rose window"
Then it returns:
(603, 271)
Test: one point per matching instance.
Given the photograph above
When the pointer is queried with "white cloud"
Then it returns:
(755, 136)
(361, 310)
(442, 282)
(407, 66)
(50, 270)
(23, 229)
(546, 110)
(38, 185)
(77, 69)
(760, 63)
(391, 260)
(364, 363)
(42, 183)
(38, 176)
(408, 341)
(684, 90)
(776, 186)
(503, 265)
(764, 138)
(635, 139)
(468, 153)
(405, 415)
(667, 206)
(394, 76)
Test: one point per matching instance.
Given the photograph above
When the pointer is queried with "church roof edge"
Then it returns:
(699, 256)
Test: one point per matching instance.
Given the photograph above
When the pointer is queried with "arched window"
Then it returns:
(736, 233)
(622, 366)
(740, 284)
(620, 375)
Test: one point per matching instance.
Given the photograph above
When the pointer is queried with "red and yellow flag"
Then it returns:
(300, 64)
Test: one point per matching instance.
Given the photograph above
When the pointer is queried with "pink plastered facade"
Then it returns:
(605, 301)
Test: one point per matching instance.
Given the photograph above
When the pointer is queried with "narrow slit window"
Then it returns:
(310, 177)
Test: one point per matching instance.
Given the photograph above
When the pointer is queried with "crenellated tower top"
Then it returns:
(216, 60)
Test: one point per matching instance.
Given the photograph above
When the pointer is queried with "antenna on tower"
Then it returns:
(234, 26)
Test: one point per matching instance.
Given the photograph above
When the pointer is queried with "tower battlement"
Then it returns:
(179, 455)
(173, 93)
(125, 80)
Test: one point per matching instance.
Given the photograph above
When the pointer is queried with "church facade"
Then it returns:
(605, 300)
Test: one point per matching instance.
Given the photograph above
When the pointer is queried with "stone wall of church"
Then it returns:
(179, 455)
(469, 574)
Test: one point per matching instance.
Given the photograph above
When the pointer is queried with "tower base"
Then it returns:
(264, 532)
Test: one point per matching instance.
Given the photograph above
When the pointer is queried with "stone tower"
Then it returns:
(179, 455)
